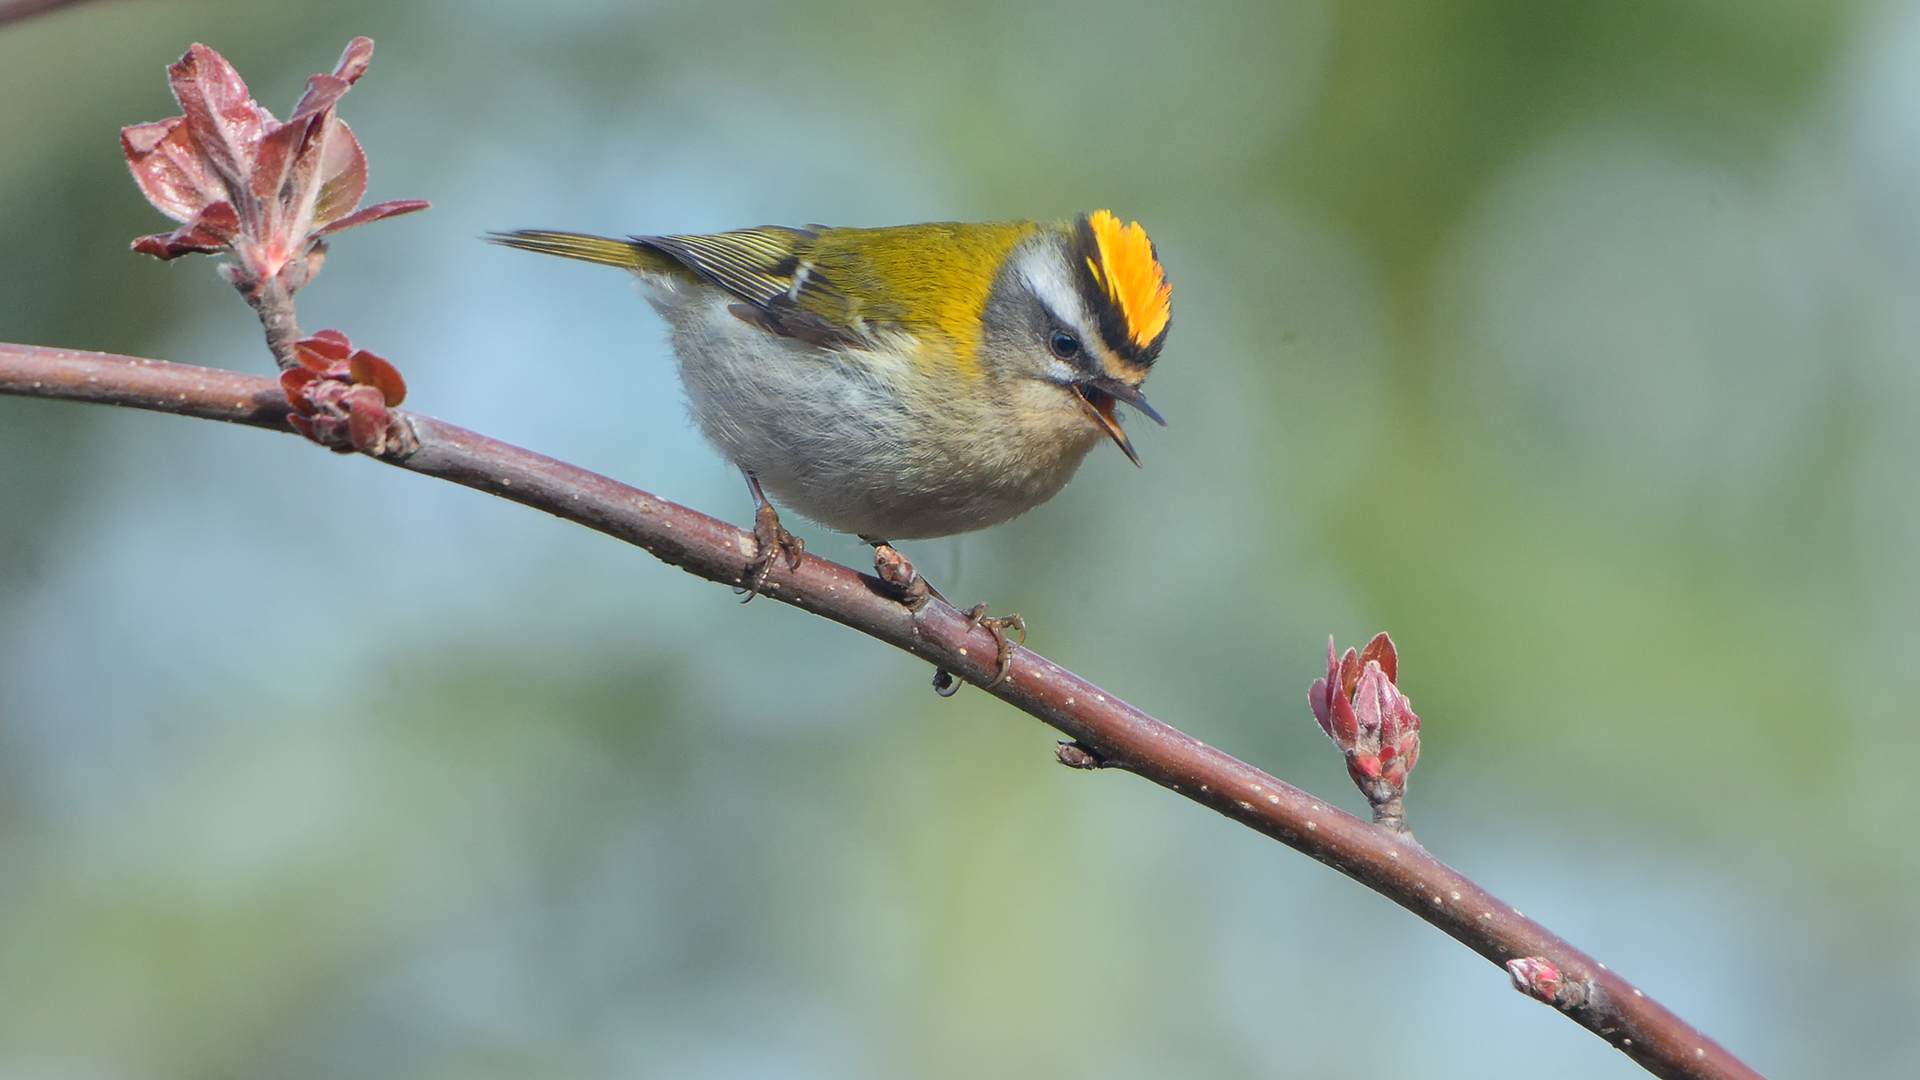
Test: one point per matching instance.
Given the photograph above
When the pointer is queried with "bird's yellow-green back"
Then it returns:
(931, 280)
(834, 285)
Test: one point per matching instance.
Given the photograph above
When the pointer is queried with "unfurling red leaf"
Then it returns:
(1380, 651)
(213, 230)
(354, 60)
(170, 171)
(323, 350)
(373, 371)
(375, 213)
(293, 383)
(223, 119)
(342, 180)
(367, 417)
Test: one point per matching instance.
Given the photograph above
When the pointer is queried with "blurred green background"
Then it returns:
(1573, 343)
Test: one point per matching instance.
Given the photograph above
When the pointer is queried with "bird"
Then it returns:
(903, 382)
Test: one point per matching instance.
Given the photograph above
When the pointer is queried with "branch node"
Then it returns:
(1391, 814)
(1541, 979)
(1077, 755)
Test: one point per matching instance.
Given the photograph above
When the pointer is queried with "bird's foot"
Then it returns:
(914, 591)
(998, 625)
(944, 682)
(773, 544)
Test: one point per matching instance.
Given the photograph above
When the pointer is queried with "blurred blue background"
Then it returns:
(1572, 343)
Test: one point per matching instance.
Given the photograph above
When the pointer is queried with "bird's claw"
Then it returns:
(773, 544)
(998, 625)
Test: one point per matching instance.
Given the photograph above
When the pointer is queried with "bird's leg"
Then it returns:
(772, 542)
(914, 590)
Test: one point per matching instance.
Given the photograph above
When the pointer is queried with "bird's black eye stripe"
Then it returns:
(1063, 345)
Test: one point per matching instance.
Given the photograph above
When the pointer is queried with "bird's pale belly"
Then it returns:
(829, 435)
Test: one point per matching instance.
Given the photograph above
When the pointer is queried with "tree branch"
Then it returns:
(1105, 731)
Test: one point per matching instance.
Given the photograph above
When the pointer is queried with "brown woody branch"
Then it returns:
(1105, 731)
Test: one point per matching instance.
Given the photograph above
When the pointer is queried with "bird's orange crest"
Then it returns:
(1132, 276)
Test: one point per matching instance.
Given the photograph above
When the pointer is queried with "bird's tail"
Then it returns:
(625, 254)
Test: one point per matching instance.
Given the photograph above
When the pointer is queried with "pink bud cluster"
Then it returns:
(342, 397)
(1369, 719)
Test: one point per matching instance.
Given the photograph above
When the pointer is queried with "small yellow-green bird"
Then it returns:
(906, 382)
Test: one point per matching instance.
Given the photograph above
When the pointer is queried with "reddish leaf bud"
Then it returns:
(342, 396)
(1075, 756)
(1361, 709)
(1538, 978)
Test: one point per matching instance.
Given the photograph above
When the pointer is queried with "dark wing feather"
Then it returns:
(768, 269)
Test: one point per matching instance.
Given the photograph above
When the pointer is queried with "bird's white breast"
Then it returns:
(863, 440)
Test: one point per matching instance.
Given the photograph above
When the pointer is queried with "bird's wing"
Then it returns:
(769, 270)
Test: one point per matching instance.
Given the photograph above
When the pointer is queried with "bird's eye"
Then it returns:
(1064, 345)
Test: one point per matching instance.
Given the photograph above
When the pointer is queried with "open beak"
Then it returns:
(1100, 394)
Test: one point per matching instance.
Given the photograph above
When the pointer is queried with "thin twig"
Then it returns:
(1105, 731)
(20, 10)
(273, 302)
